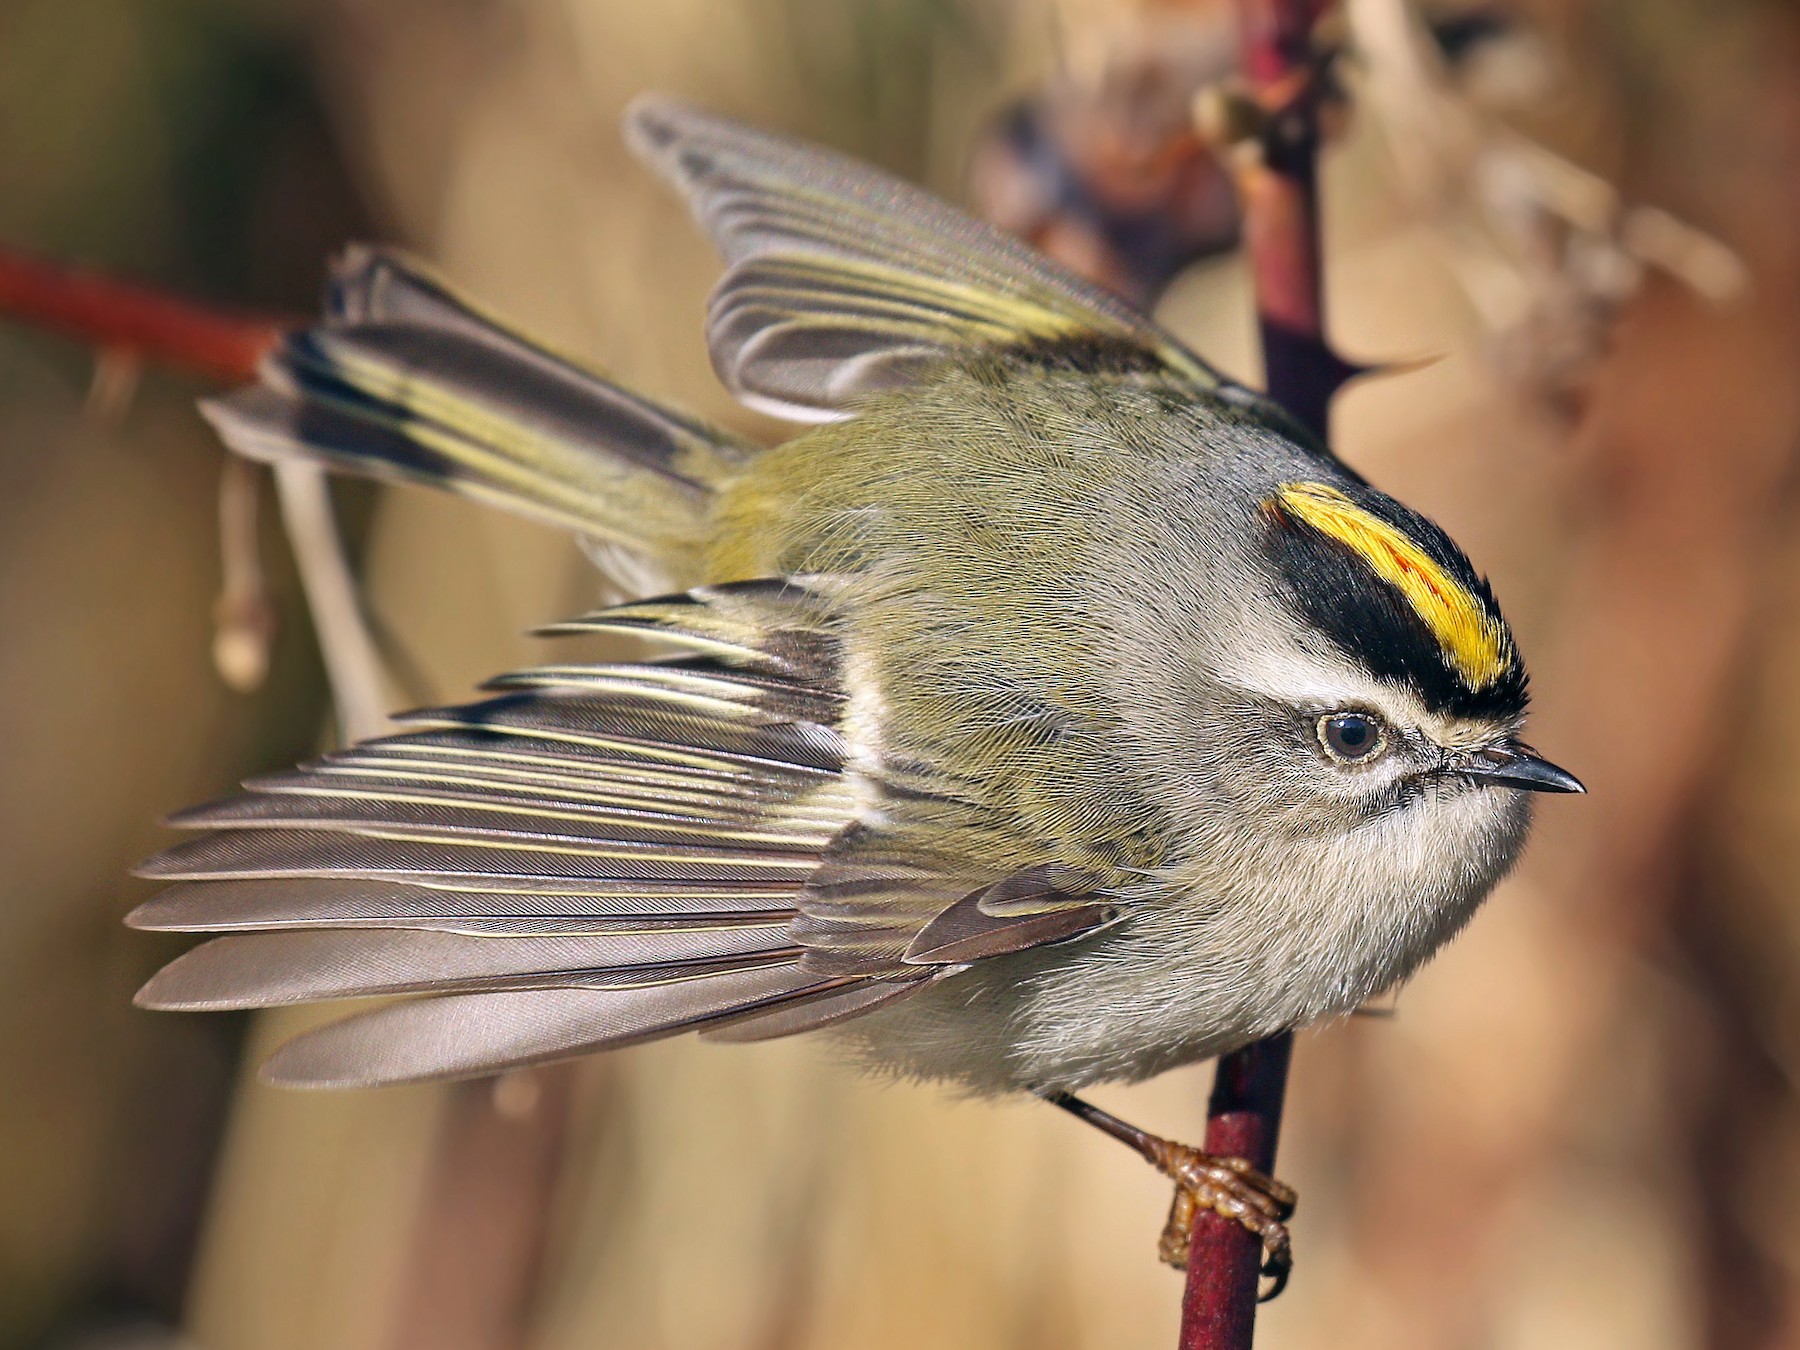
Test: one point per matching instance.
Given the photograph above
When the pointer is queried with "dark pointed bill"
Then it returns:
(1517, 767)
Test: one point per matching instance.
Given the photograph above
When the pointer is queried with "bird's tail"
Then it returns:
(404, 380)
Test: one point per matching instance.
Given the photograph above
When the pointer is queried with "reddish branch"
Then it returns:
(115, 316)
(1218, 1310)
(484, 1219)
(1278, 189)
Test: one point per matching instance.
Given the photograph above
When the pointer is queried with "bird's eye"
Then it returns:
(1351, 736)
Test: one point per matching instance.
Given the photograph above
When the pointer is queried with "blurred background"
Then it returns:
(1578, 1128)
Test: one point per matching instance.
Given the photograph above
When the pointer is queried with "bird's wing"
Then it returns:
(844, 281)
(596, 856)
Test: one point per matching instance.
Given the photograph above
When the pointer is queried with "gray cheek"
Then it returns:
(1471, 836)
(1509, 822)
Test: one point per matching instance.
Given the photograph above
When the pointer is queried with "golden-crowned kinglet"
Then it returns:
(1053, 711)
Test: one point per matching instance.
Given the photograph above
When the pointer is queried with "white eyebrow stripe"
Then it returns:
(1302, 681)
(1295, 677)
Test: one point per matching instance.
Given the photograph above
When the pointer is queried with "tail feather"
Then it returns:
(406, 381)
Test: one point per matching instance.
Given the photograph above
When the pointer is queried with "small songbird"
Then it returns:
(1053, 711)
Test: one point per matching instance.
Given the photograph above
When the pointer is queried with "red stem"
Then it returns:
(485, 1217)
(1279, 198)
(1218, 1311)
(116, 316)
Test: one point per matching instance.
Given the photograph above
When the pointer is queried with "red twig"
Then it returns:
(485, 1217)
(115, 316)
(1218, 1311)
(1278, 189)
(1279, 196)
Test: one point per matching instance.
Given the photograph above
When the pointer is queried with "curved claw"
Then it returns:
(1278, 1264)
(1229, 1187)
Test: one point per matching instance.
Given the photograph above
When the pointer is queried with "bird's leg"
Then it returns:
(1227, 1186)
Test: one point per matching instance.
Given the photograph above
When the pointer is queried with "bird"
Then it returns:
(1051, 710)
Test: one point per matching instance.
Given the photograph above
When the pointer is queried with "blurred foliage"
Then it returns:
(873, 72)
(180, 143)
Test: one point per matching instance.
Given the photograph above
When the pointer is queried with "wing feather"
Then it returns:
(843, 281)
(262, 970)
(596, 855)
(324, 902)
(462, 1035)
(834, 1002)
(965, 932)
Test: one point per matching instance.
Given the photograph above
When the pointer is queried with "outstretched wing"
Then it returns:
(844, 281)
(596, 856)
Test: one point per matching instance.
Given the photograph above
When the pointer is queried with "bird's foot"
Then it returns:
(1234, 1189)
(1204, 1182)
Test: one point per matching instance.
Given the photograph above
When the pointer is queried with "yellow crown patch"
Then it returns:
(1473, 641)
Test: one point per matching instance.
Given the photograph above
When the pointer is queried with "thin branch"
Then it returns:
(119, 319)
(352, 663)
(244, 613)
(116, 316)
(1278, 189)
(1243, 1120)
